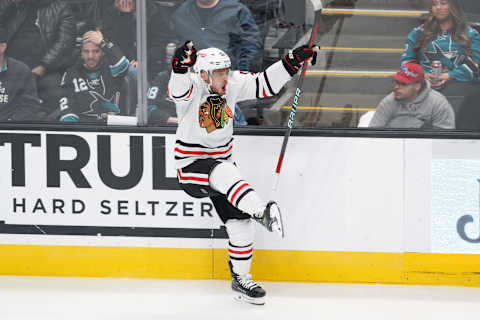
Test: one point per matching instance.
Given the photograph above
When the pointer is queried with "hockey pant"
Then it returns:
(208, 177)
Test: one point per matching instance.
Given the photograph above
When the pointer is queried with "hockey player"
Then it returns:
(204, 146)
(92, 87)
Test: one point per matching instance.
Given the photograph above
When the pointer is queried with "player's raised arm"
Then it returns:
(269, 82)
(180, 86)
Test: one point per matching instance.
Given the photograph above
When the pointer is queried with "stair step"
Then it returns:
(350, 73)
(359, 60)
(327, 110)
(470, 7)
(374, 12)
(332, 101)
(322, 118)
(336, 102)
(366, 26)
(379, 83)
(380, 4)
(367, 42)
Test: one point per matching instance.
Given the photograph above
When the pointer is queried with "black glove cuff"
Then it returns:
(290, 66)
(177, 67)
(178, 63)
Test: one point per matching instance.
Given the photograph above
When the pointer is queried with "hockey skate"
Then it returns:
(245, 289)
(272, 218)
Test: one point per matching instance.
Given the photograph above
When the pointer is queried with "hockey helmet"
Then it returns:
(211, 59)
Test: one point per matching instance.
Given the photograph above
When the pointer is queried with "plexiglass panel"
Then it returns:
(62, 60)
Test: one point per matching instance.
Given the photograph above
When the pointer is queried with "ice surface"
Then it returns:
(38, 298)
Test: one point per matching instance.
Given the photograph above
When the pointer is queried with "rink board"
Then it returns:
(268, 265)
(356, 209)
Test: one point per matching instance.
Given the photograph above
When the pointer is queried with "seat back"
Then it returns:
(365, 119)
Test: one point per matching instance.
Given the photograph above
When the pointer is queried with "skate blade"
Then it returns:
(244, 298)
(277, 226)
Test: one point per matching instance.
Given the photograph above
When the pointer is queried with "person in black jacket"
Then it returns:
(41, 33)
(225, 24)
(120, 26)
(18, 92)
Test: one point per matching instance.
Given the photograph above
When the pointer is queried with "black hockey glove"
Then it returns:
(294, 60)
(184, 58)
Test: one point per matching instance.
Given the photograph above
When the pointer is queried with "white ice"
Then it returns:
(38, 298)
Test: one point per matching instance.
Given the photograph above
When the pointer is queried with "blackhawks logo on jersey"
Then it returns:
(214, 113)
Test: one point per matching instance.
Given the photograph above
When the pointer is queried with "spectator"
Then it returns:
(103, 5)
(92, 88)
(41, 33)
(446, 37)
(265, 13)
(413, 103)
(18, 92)
(224, 24)
(120, 26)
(86, 13)
(161, 109)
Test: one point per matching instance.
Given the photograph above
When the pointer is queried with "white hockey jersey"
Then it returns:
(205, 126)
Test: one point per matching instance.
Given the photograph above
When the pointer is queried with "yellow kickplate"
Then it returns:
(270, 265)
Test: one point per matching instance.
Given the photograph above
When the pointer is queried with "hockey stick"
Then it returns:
(293, 110)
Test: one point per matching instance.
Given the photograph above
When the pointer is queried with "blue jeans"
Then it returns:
(238, 117)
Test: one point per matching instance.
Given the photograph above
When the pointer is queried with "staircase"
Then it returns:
(362, 42)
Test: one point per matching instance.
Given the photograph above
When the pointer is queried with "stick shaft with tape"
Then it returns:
(293, 111)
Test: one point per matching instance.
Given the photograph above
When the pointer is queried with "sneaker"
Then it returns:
(272, 218)
(246, 290)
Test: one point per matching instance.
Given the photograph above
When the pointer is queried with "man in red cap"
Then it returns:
(413, 103)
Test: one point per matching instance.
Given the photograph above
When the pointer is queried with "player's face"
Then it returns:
(406, 91)
(91, 55)
(219, 81)
(441, 9)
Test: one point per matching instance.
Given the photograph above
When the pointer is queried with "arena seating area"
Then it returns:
(362, 42)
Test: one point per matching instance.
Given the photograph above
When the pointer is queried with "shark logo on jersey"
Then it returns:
(102, 106)
(95, 80)
(93, 83)
(436, 52)
(214, 113)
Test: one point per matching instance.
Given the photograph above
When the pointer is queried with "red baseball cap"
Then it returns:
(410, 72)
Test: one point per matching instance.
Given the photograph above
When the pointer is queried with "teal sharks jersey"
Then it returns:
(91, 95)
(443, 48)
